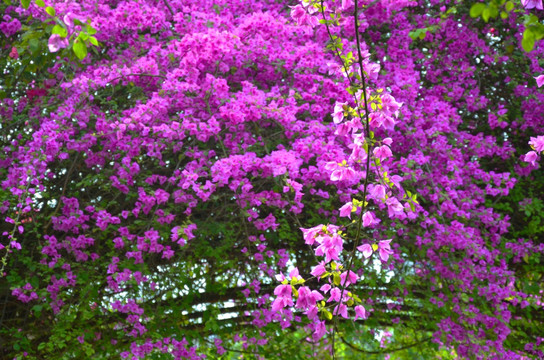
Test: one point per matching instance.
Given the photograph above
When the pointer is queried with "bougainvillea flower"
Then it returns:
(371, 69)
(341, 310)
(394, 208)
(537, 142)
(384, 248)
(312, 312)
(297, 12)
(366, 249)
(539, 80)
(280, 277)
(294, 274)
(335, 294)
(348, 277)
(338, 114)
(281, 302)
(346, 4)
(328, 249)
(69, 19)
(304, 300)
(346, 209)
(360, 312)
(14, 54)
(340, 171)
(530, 157)
(369, 219)
(310, 234)
(56, 43)
(532, 4)
(382, 152)
(377, 192)
(325, 288)
(319, 270)
(390, 106)
(320, 330)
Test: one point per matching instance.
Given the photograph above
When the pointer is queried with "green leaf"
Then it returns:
(40, 3)
(50, 11)
(217, 9)
(62, 32)
(509, 6)
(493, 10)
(477, 9)
(504, 15)
(91, 30)
(93, 40)
(25, 3)
(538, 31)
(80, 49)
(336, 279)
(528, 41)
(485, 14)
(423, 34)
(34, 45)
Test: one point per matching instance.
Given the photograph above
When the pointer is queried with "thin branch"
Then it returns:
(169, 7)
(369, 152)
(385, 351)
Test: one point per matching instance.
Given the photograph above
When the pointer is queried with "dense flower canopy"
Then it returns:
(230, 179)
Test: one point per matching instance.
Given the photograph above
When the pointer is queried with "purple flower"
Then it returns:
(530, 157)
(305, 298)
(348, 278)
(340, 171)
(366, 249)
(345, 211)
(320, 330)
(532, 4)
(341, 310)
(378, 192)
(346, 4)
(310, 234)
(56, 43)
(384, 249)
(538, 142)
(539, 80)
(369, 219)
(360, 312)
(319, 270)
(297, 12)
(69, 19)
(335, 295)
(338, 114)
(382, 152)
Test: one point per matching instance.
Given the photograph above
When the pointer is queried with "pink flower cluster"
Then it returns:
(227, 115)
(537, 143)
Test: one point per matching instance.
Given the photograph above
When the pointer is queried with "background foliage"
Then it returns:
(160, 157)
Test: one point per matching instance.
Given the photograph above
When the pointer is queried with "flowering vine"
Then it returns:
(207, 179)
